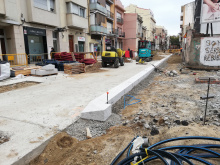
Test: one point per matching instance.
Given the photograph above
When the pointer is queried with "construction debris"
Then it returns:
(88, 133)
(172, 73)
(75, 68)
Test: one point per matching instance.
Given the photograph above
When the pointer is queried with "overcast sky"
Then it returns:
(166, 12)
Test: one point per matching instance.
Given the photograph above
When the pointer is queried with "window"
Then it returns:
(118, 15)
(72, 8)
(108, 7)
(82, 12)
(48, 5)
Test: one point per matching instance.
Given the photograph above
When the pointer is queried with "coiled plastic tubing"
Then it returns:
(173, 155)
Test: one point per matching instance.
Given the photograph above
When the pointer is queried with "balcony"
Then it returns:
(121, 34)
(140, 35)
(96, 6)
(140, 19)
(77, 21)
(95, 29)
(43, 16)
(120, 20)
(2, 7)
(111, 31)
(110, 15)
(110, 1)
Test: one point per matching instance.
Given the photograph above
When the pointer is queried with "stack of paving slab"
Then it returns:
(45, 70)
(74, 68)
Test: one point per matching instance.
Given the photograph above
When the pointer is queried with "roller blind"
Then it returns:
(41, 4)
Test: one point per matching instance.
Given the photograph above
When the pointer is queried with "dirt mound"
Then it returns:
(102, 150)
(65, 142)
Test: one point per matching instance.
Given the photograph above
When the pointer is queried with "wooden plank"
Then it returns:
(24, 72)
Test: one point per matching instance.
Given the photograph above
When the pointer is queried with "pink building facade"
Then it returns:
(133, 30)
(119, 25)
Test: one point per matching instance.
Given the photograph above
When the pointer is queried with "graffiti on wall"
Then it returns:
(196, 51)
(210, 51)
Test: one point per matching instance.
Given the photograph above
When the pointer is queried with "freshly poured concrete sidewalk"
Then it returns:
(32, 115)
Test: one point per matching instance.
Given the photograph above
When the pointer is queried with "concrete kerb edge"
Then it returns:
(118, 92)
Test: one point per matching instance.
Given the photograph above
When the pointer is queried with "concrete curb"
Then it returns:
(98, 109)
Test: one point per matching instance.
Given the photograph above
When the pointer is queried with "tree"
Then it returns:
(174, 40)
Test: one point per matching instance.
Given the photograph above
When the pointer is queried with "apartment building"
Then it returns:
(35, 26)
(119, 25)
(148, 20)
(186, 20)
(28, 26)
(74, 25)
(133, 30)
(161, 41)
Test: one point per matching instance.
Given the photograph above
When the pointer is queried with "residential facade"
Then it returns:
(133, 30)
(161, 38)
(186, 20)
(35, 26)
(119, 25)
(148, 20)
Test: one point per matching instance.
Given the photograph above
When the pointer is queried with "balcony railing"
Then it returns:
(111, 31)
(121, 34)
(96, 6)
(110, 15)
(120, 20)
(98, 29)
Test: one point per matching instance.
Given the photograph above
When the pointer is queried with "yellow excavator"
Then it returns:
(112, 57)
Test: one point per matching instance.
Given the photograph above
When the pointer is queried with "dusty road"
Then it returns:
(170, 105)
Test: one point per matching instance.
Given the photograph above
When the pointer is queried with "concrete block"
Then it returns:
(49, 67)
(41, 72)
(98, 109)
(33, 71)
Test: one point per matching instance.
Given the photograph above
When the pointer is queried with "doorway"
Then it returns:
(71, 43)
(2, 42)
(81, 46)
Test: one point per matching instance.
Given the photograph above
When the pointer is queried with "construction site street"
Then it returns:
(31, 116)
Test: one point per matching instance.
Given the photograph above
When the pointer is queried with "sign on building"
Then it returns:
(210, 11)
(210, 51)
(83, 39)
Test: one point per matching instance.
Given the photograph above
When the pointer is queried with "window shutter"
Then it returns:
(42, 4)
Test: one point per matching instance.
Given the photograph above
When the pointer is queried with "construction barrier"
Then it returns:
(174, 50)
(15, 59)
(37, 58)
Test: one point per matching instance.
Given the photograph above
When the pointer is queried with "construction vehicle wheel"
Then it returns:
(104, 64)
(147, 60)
(122, 62)
(116, 63)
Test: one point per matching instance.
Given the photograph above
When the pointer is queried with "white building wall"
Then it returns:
(189, 13)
